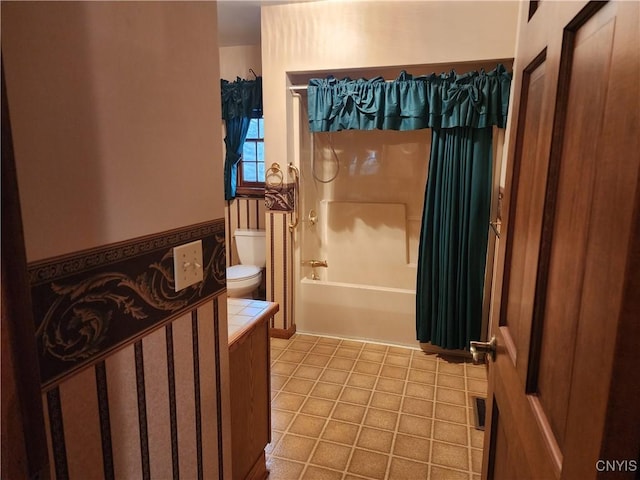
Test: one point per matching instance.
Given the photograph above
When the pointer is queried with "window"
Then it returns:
(251, 168)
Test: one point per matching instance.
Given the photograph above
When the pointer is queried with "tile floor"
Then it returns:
(350, 410)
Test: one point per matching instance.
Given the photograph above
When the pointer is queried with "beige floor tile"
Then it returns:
(317, 406)
(283, 368)
(329, 340)
(451, 368)
(340, 432)
(419, 390)
(298, 385)
(476, 460)
(450, 455)
(449, 395)
(439, 473)
(450, 432)
(368, 464)
(340, 363)
(391, 371)
(373, 439)
(477, 386)
(324, 349)
(275, 438)
(403, 469)
(411, 447)
(304, 337)
(422, 376)
(316, 360)
(331, 455)
(386, 401)
(450, 381)
(419, 426)
(390, 385)
(355, 395)
(476, 371)
(397, 360)
(318, 473)
(381, 419)
(277, 381)
(352, 344)
(451, 413)
(400, 351)
(292, 356)
(300, 346)
(280, 420)
(307, 372)
(375, 347)
(288, 401)
(307, 426)
(294, 447)
(362, 381)
(369, 368)
(284, 469)
(326, 390)
(477, 437)
(423, 363)
(348, 413)
(343, 352)
(334, 376)
(279, 343)
(371, 356)
(416, 406)
(275, 353)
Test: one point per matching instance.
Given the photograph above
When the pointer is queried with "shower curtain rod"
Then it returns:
(304, 87)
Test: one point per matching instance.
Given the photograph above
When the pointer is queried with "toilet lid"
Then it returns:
(242, 272)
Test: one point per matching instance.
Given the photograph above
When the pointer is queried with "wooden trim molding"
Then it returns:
(93, 302)
(282, 332)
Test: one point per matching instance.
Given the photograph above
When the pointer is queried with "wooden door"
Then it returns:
(564, 386)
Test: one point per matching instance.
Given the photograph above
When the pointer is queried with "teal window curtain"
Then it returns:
(461, 111)
(241, 101)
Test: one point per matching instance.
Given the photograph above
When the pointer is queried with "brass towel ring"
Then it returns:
(274, 171)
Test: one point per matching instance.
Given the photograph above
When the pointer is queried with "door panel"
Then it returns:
(572, 206)
(587, 76)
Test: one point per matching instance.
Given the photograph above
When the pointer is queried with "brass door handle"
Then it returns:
(480, 349)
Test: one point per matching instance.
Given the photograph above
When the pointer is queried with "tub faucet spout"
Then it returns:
(314, 264)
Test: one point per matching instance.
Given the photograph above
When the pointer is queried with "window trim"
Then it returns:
(249, 188)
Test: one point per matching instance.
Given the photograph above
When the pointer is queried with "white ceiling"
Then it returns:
(239, 20)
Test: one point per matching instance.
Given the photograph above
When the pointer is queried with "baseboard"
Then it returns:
(282, 332)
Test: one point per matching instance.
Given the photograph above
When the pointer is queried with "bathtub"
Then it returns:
(363, 312)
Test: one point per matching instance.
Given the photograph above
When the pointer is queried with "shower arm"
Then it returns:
(296, 195)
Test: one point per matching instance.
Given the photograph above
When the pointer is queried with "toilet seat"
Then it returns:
(241, 273)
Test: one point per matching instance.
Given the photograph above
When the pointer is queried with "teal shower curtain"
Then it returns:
(461, 111)
(453, 238)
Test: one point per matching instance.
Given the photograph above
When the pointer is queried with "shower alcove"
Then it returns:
(360, 208)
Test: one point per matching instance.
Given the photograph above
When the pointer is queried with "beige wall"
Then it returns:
(114, 108)
(237, 60)
(326, 36)
(112, 112)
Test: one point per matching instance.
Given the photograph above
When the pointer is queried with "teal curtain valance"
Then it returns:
(474, 99)
(242, 98)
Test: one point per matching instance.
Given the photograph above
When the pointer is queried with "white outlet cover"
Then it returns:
(187, 265)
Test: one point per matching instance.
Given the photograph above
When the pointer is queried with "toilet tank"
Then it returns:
(252, 248)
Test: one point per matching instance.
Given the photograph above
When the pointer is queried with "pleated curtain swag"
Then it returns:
(462, 111)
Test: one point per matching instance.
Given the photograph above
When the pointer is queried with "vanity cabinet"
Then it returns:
(249, 363)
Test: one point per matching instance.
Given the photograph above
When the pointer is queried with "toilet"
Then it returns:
(244, 279)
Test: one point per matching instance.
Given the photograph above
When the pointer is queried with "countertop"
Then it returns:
(243, 313)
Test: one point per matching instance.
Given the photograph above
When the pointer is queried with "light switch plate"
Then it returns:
(187, 264)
